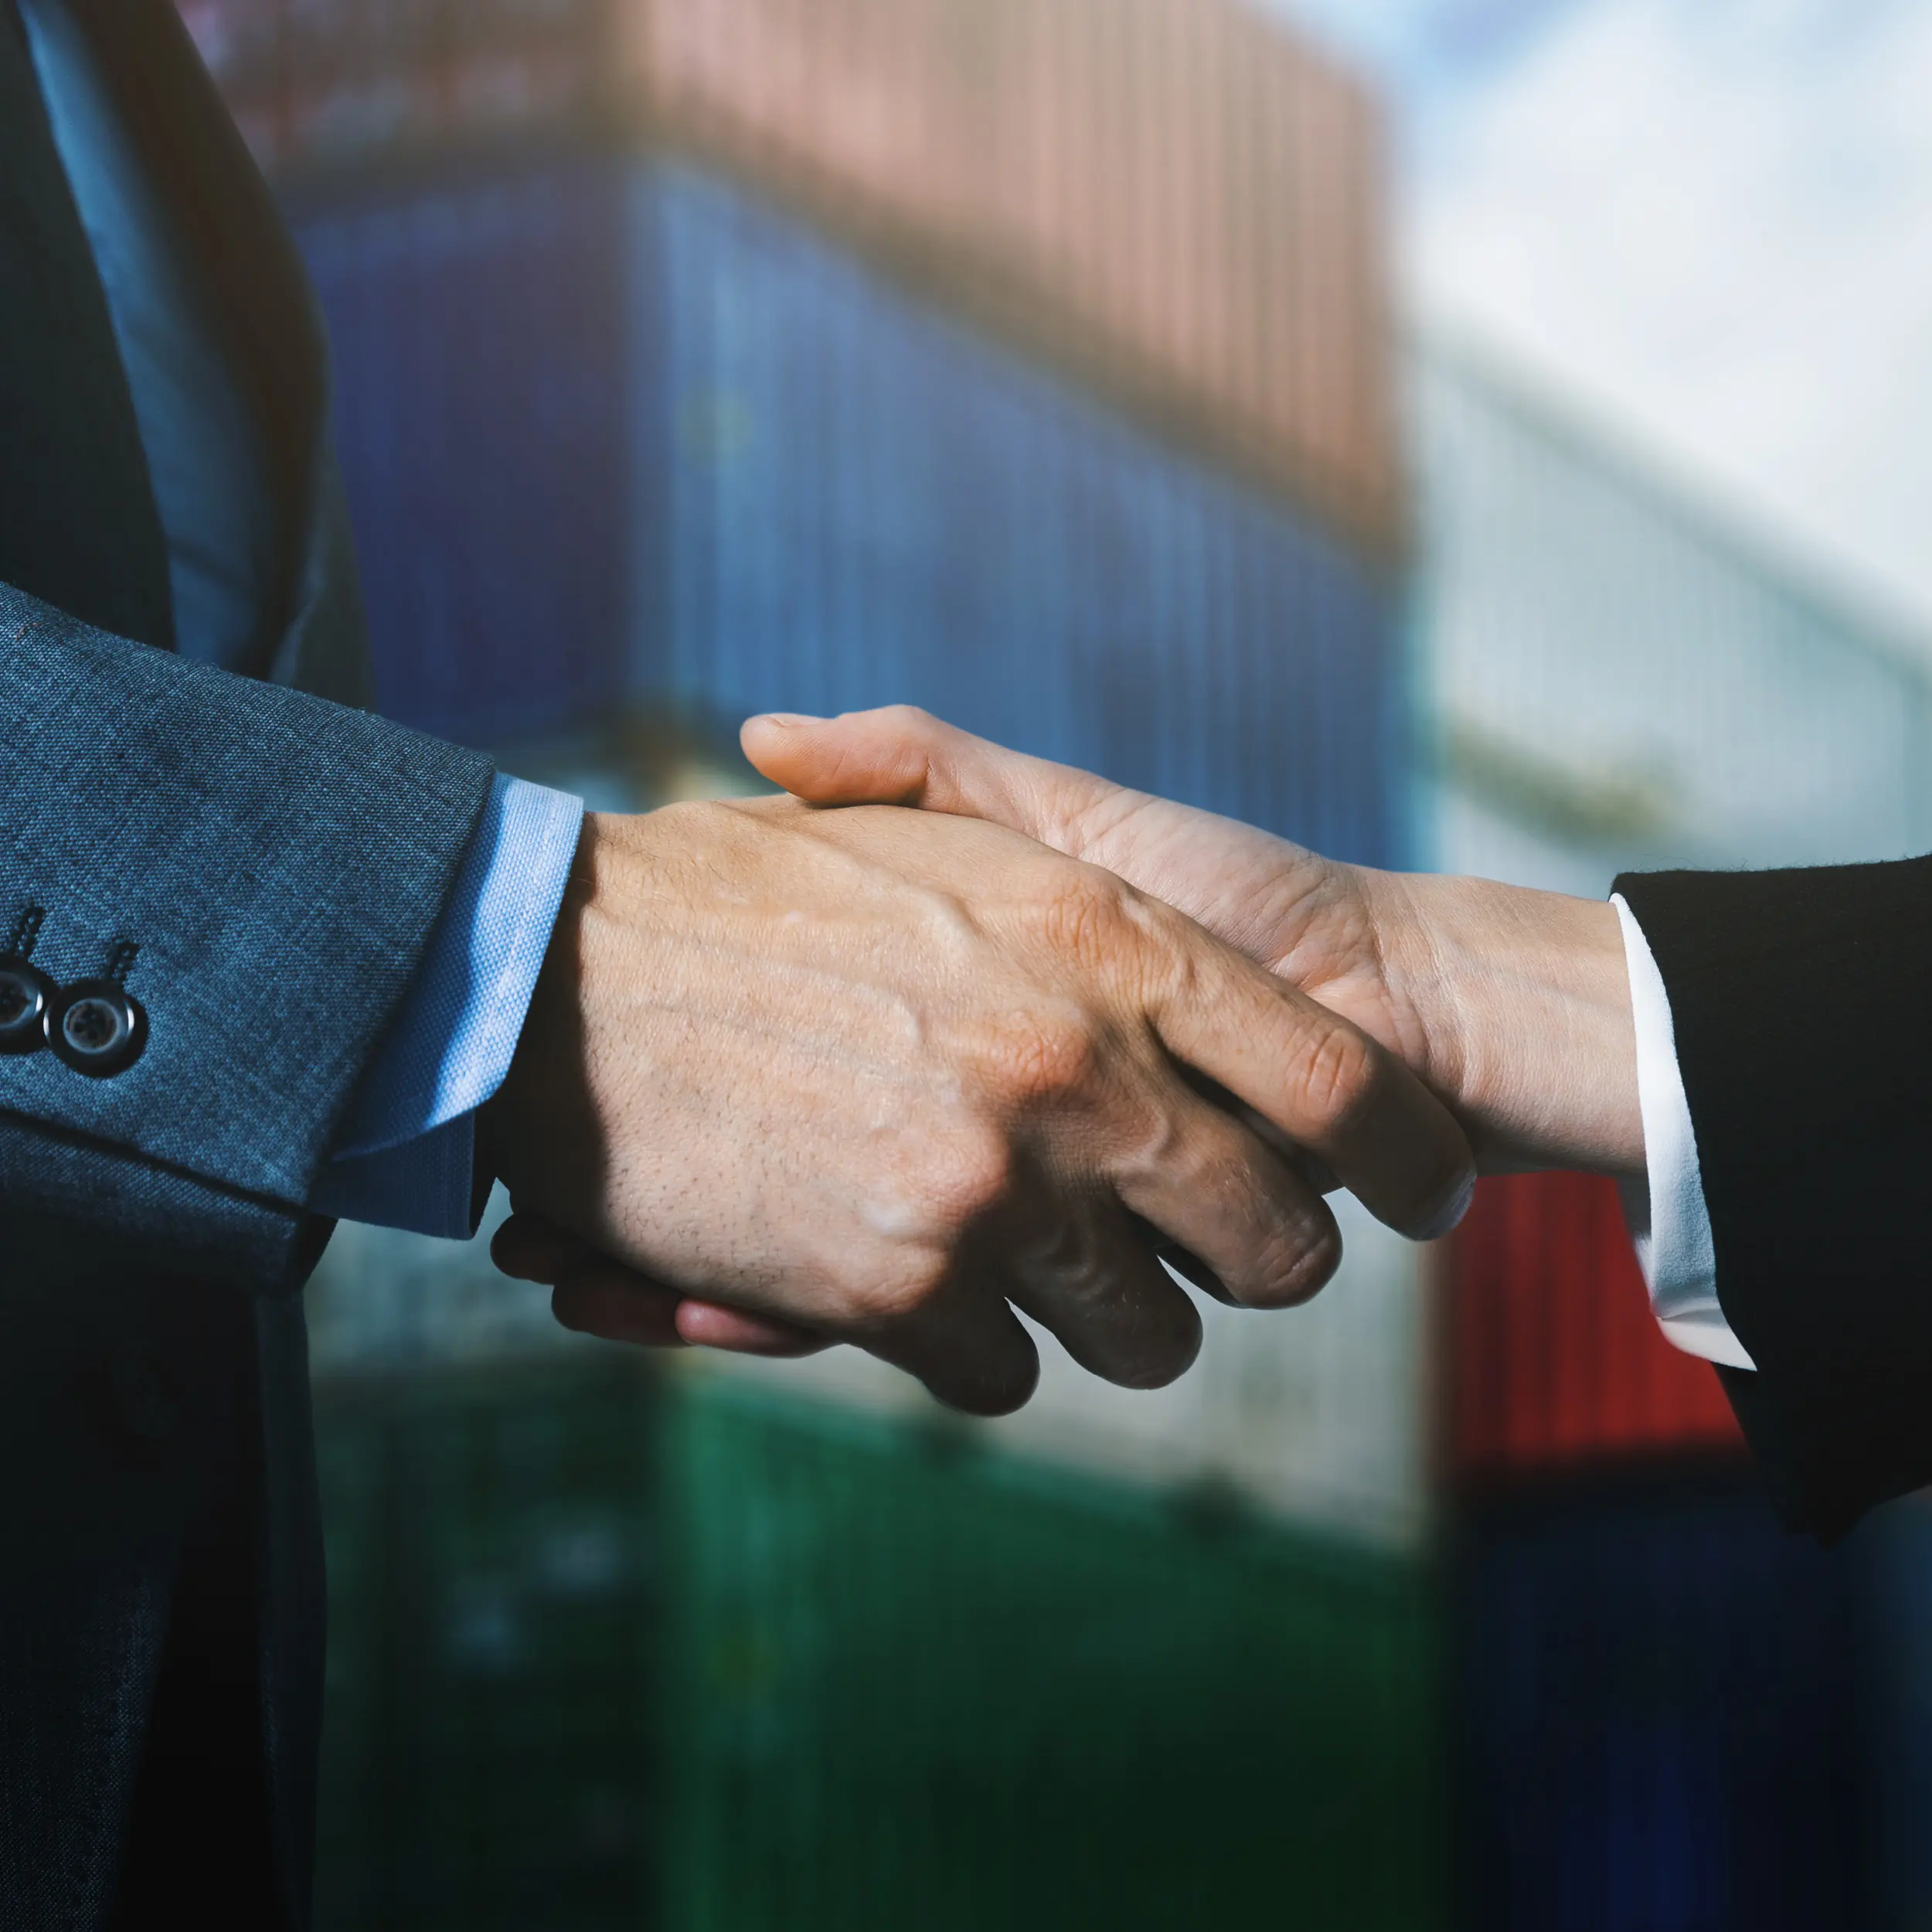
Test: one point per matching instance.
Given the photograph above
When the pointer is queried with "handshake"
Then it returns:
(997, 1035)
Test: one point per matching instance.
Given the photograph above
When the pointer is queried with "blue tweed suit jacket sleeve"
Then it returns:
(279, 861)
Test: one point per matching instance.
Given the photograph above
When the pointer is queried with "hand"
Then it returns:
(1512, 1005)
(873, 1076)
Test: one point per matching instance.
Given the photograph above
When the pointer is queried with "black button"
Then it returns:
(26, 994)
(96, 1028)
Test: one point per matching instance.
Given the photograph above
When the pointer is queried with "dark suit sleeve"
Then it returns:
(279, 862)
(1802, 1003)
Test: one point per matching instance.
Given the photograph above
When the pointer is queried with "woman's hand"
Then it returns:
(1513, 1006)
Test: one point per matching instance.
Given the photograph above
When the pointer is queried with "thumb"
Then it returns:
(903, 755)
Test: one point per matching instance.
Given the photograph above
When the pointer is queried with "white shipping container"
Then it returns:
(1471, 840)
(381, 1301)
(1616, 679)
(1314, 1415)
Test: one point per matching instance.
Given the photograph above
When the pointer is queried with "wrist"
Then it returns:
(1522, 1001)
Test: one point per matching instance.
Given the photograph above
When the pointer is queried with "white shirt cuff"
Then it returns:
(1668, 1218)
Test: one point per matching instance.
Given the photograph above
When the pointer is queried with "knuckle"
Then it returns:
(971, 1175)
(1081, 1284)
(1301, 1266)
(695, 819)
(1344, 1079)
(906, 737)
(1045, 1057)
(906, 1288)
(1084, 917)
(1120, 1315)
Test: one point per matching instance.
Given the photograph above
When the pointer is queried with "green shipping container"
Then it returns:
(609, 1652)
(487, 1739)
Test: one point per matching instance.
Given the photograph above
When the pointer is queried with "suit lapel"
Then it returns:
(78, 526)
(236, 243)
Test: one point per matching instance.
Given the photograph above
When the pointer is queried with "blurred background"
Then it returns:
(1488, 435)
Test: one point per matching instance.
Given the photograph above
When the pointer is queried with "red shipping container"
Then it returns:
(313, 82)
(1180, 191)
(1551, 1355)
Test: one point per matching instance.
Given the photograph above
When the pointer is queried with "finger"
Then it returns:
(705, 1325)
(618, 1306)
(903, 755)
(1323, 1083)
(1304, 1163)
(1190, 1268)
(965, 1343)
(1097, 1285)
(1205, 864)
(1233, 1207)
(528, 1248)
(597, 1296)
(1179, 1262)
(613, 1311)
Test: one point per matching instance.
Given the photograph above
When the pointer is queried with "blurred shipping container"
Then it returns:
(1618, 680)
(493, 1661)
(483, 384)
(382, 1301)
(1663, 1707)
(1615, 679)
(773, 410)
(1552, 1358)
(825, 496)
(1177, 198)
(891, 1680)
(1897, 1546)
(1316, 1418)
(327, 81)
(1020, 1701)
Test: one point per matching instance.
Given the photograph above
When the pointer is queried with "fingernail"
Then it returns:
(785, 720)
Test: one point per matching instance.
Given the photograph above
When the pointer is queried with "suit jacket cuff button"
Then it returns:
(25, 995)
(96, 1028)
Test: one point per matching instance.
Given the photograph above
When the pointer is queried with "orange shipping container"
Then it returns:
(1176, 199)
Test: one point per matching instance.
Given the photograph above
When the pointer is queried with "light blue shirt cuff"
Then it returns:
(405, 1155)
(425, 1186)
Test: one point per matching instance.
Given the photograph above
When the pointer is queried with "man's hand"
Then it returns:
(873, 1076)
(1512, 1005)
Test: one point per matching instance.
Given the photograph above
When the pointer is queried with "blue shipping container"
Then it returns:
(615, 432)
(1663, 1709)
(1897, 1545)
(481, 366)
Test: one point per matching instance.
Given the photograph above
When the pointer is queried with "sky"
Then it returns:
(1709, 221)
